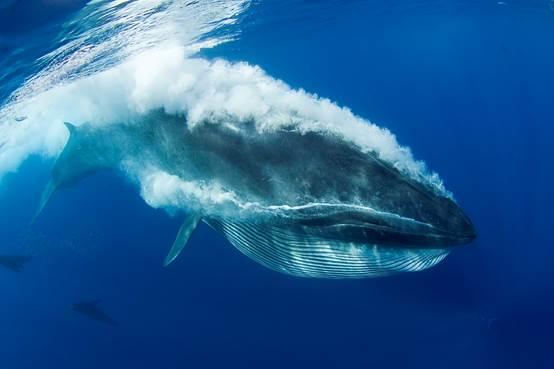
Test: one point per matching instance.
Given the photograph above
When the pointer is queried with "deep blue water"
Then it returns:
(467, 85)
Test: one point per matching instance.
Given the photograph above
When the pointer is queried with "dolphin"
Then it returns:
(308, 204)
(14, 262)
(91, 310)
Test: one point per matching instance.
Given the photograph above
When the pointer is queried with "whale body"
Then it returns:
(308, 204)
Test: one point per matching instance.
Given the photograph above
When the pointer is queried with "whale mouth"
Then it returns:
(447, 226)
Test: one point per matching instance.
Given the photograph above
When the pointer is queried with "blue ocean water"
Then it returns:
(467, 85)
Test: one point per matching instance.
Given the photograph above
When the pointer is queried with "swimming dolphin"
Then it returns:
(14, 262)
(91, 310)
(308, 204)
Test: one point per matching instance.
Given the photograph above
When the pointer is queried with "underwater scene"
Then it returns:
(276, 184)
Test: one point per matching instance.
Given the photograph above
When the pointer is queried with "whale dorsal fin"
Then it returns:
(83, 154)
(188, 226)
(71, 127)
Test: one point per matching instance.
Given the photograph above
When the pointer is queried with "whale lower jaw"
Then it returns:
(296, 252)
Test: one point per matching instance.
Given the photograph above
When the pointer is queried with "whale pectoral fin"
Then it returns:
(298, 251)
(188, 226)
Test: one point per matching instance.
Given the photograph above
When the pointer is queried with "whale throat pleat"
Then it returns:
(293, 250)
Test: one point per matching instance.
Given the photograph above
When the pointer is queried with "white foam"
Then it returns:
(162, 190)
(167, 77)
(203, 91)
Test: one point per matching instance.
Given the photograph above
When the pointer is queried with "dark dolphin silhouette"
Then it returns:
(91, 310)
(14, 262)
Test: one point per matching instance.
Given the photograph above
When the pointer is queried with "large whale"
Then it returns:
(307, 204)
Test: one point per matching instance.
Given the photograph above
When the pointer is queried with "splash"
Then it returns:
(121, 60)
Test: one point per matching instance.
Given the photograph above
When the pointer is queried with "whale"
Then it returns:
(304, 203)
